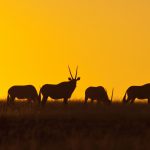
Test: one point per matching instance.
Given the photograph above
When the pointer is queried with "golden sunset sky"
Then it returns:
(108, 39)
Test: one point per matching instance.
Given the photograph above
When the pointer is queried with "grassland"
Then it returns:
(74, 126)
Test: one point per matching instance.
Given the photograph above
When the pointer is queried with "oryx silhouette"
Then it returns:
(62, 90)
(22, 92)
(97, 93)
(140, 92)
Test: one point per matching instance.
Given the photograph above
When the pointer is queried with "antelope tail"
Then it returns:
(112, 95)
(124, 98)
(8, 98)
(39, 97)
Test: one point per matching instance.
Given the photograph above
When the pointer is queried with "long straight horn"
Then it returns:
(112, 95)
(70, 72)
(76, 72)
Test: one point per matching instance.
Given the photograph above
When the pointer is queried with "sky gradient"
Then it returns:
(107, 39)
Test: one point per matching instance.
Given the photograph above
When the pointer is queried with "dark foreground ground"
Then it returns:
(75, 126)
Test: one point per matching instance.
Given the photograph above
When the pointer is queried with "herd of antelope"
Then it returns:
(64, 91)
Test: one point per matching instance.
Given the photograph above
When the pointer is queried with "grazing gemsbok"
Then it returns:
(22, 92)
(140, 92)
(97, 93)
(62, 90)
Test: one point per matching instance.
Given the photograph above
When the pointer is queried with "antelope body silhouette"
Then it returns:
(140, 92)
(22, 92)
(97, 93)
(62, 90)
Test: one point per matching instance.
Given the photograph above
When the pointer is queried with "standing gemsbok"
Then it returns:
(140, 92)
(22, 92)
(97, 93)
(62, 90)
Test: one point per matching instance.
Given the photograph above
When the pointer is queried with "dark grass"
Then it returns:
(74, 126)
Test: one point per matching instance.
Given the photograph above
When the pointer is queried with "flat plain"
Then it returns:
(74, 126)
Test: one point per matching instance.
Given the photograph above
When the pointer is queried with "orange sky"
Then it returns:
(107, 39)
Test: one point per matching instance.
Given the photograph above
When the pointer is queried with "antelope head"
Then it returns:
(71, 78)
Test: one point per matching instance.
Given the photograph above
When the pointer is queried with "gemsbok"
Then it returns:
(97, 93)
(22, 92)
(62, 90)
(139, 92)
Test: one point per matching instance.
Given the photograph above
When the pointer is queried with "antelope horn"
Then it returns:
(70, 72)
(76, 72)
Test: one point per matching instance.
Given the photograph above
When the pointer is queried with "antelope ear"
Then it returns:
(78, 78)
(69, 79)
